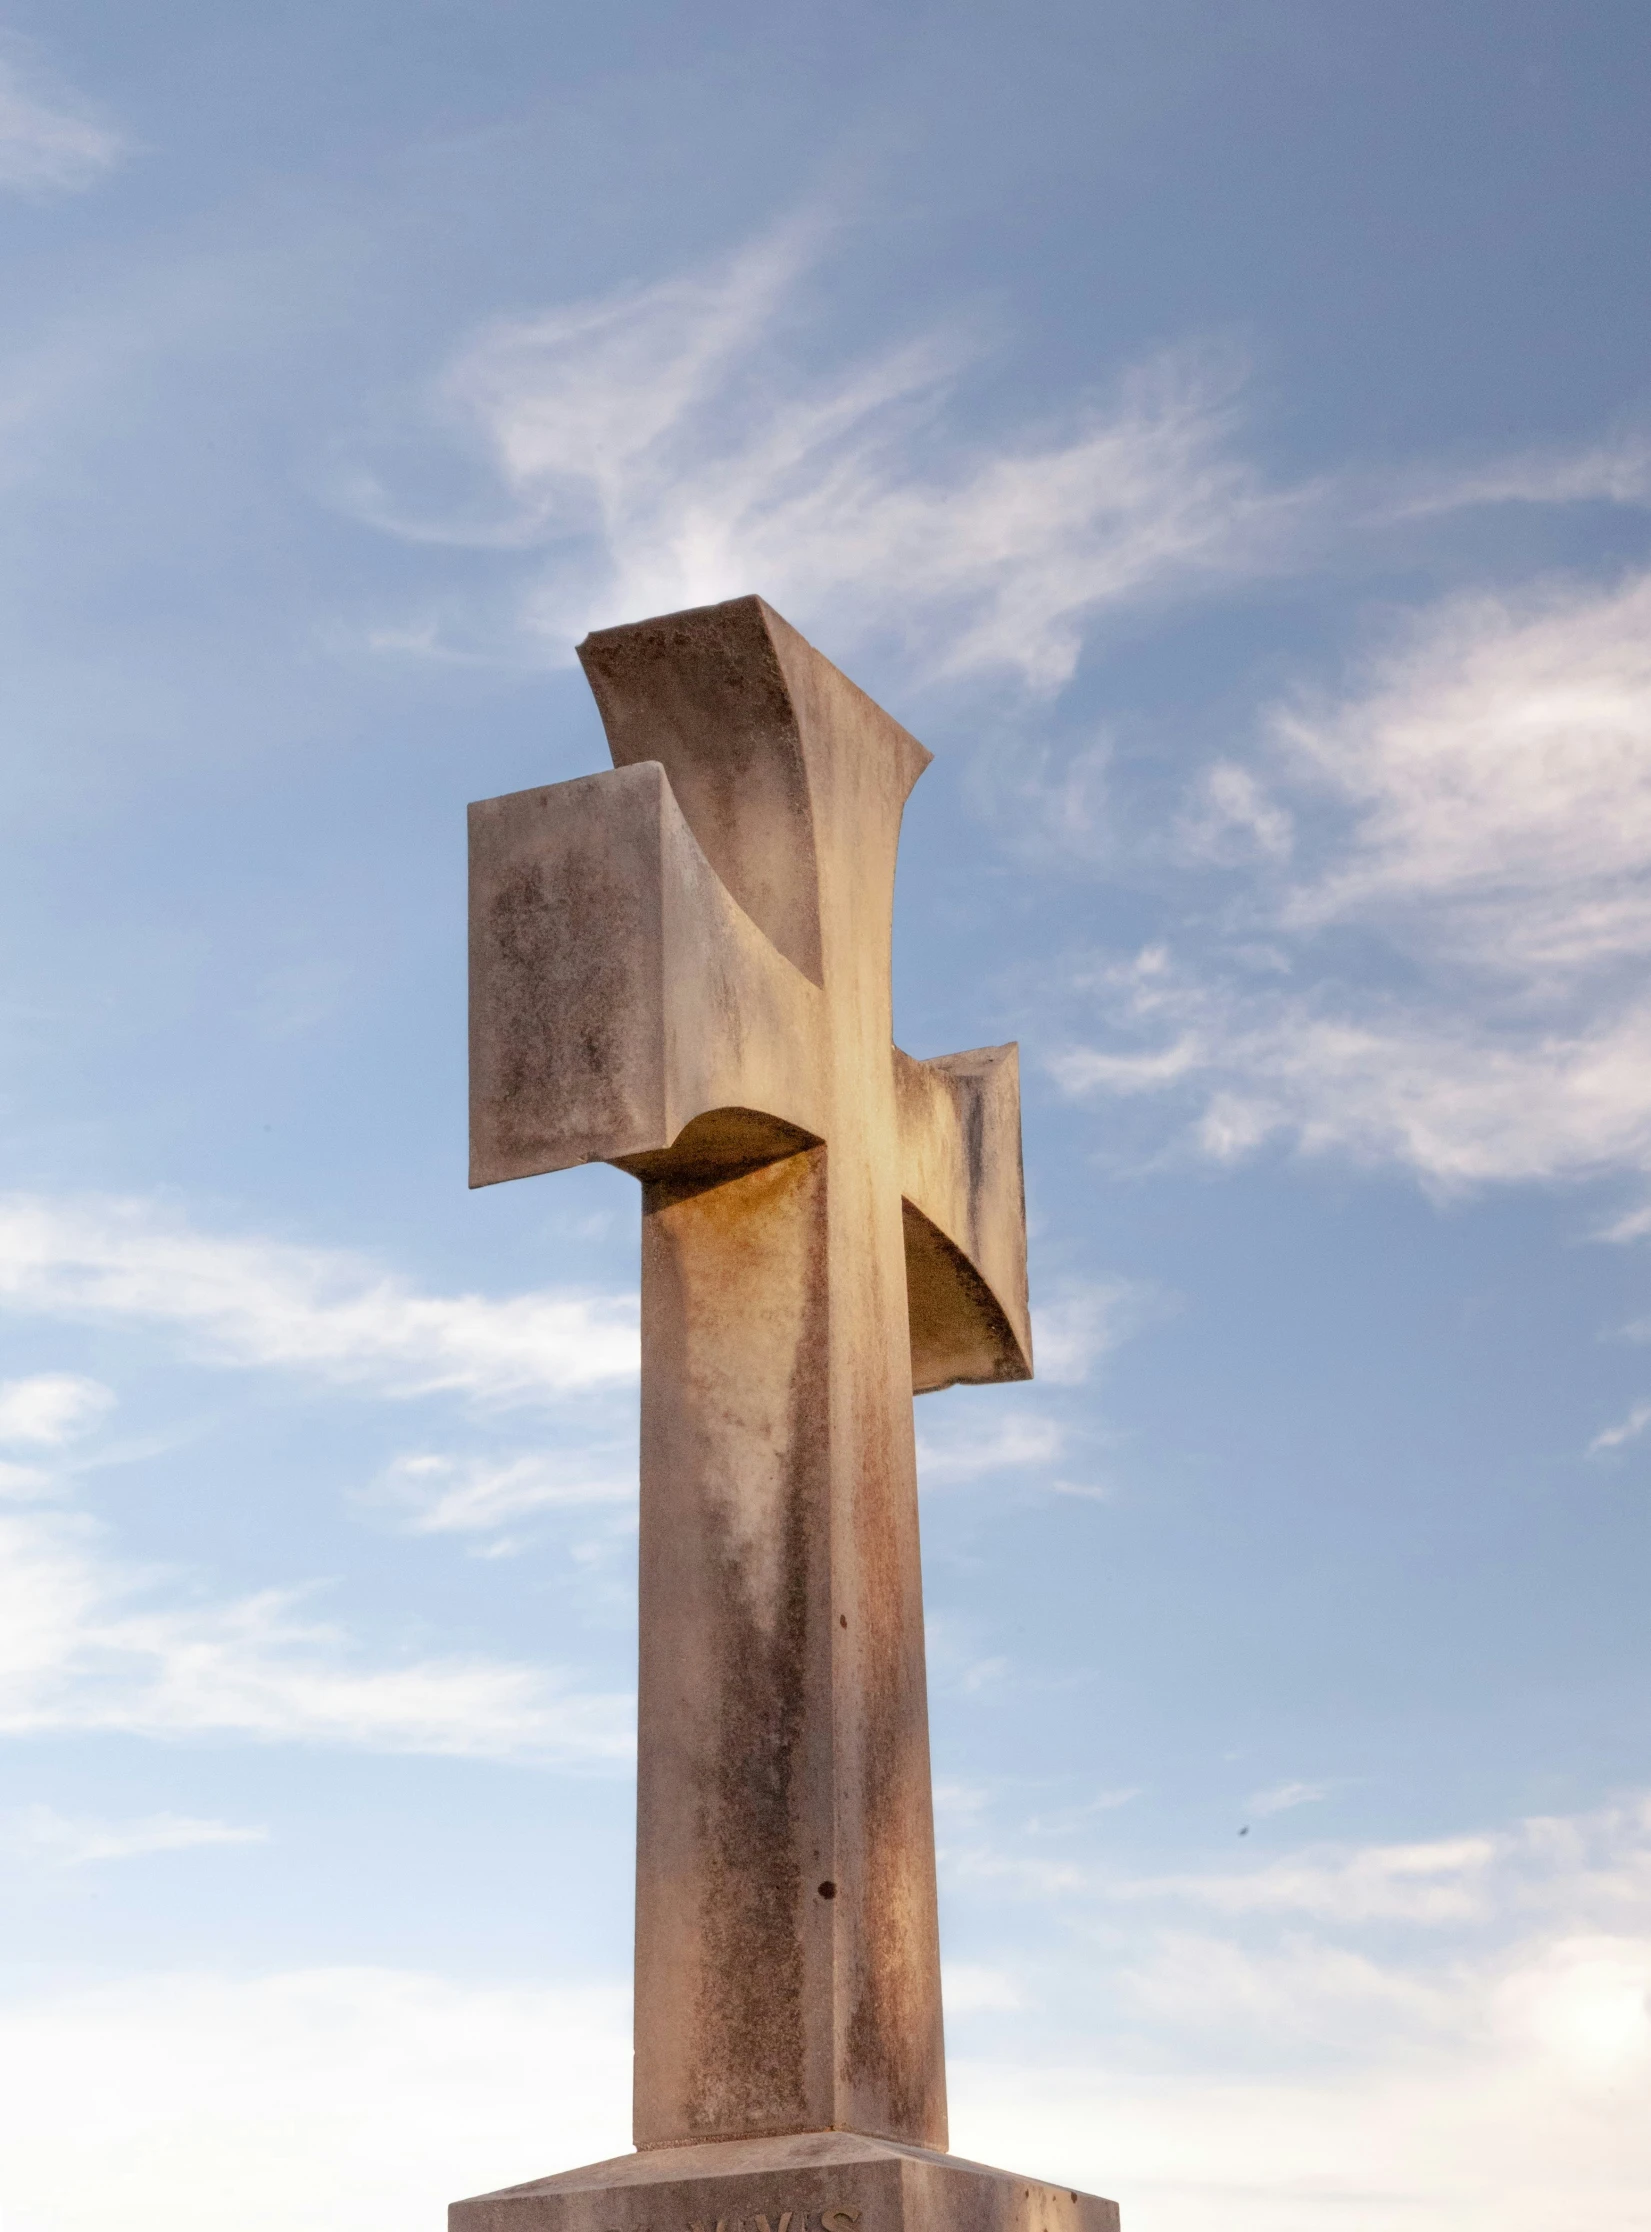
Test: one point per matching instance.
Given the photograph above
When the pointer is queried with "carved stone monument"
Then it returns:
(682, 967)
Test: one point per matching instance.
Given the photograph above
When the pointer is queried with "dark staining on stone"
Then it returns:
(960, 1329)
(662, 687)
(974, 1144)
(892, 2044)
(752, 2014)
(712, 1150)
(828, 1890)
(959, 1333)
(564, 1000)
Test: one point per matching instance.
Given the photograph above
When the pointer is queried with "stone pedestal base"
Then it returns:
(813, 2181)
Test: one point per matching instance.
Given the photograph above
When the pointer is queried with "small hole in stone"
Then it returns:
(842, 1619)
(828, 1890)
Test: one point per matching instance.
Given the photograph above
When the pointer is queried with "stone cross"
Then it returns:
(683, 967)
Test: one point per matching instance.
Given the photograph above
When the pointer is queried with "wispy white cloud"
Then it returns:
(1497, 768)
(1483, 796)
(88, 1643)
(1266, 2085)
(1600, 1862)
(1078, 1324)
(69, 1842)
(1459, 1095)
(672, 444)
(1502, 2096)
(1482, 2068)
(1631, 1224)
(257, 1302)
(964, 1452)
(442, 1494)
(1233, 818)
(1624, 1431)
(1285, 1797)
(1066, 1821)
(51, 1407)
(51, 140)
(1083, 1320)
(181, 2092)
(1053, 804)
(675, 444)
(1295, 1992)
(1441, 1881)
(1614, 471)
(971, 1988)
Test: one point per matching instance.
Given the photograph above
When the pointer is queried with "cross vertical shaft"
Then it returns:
(784, 1742)
(779, 1484)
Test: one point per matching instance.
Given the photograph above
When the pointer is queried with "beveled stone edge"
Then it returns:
(757, 2157)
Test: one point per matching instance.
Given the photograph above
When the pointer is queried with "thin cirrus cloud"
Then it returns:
(443, 1494)
(70, 1841)
(1458, 1098)
(1599, 1862)
(673, 444)
(50, 1408)
(89, 1644)
(408, 2088)
(1498, 2091)
(252, 1301)
(1626, 1430)
(1482, 805)
(1497, 771)
(1018, 1442)
(1285, 1797)
(1084, 1320)
(51, 140)
(1393, 2008)
(665, 446)
(1081, 1321)
(1502, 2094)
(1440, 1881)
(1615, 471)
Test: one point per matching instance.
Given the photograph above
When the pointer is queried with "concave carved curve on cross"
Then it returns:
(961, 1334)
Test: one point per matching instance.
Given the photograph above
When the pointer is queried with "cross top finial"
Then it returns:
(789, 776)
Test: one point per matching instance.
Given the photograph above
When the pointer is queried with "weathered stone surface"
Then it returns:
(825, 2181)
(682, 967)
(617, 990)
(620, 989)
(965, 1217)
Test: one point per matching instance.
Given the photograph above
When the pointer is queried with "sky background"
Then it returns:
(1222, 432)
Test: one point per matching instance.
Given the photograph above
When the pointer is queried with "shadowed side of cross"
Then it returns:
(682, 967)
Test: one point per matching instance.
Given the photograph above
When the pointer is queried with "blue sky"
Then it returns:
(1223, 434)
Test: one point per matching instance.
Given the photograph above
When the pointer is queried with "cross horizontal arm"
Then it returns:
(618, 993)
(625, 1009)
(965, 1217)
